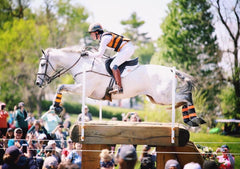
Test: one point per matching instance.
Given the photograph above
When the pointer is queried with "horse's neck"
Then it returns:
(68, 59)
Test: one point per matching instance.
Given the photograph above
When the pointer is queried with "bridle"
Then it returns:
(57, 73)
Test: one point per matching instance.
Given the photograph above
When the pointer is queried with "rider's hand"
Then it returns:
(84, 54)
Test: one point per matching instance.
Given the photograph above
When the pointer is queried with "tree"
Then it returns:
(19, 41)
(67, 23)
(188, 43)
(229, 17)
(10, 9)
(145, 48)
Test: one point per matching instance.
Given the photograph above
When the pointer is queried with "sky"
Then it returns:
(110, 13)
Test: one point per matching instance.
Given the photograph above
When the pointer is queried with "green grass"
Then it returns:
(216, 140)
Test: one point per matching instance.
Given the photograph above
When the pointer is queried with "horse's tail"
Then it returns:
(189, 83)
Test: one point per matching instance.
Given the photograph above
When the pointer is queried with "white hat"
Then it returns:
(42, 136)
(192, 165)
(51, 142)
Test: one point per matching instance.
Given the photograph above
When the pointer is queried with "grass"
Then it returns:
(208, 140)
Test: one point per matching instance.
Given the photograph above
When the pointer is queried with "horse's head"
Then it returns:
(45, 70)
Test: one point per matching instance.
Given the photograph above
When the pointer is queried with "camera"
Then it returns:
(61, 126)
(223, 150)
(24, 148)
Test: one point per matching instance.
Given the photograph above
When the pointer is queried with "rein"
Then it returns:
(57, 73)
(91, 70)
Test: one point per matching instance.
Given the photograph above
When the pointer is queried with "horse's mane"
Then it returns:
(71, 49)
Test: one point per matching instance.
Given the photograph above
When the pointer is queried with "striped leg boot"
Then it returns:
(185, 114)
(186, 117)
(57, 102)
(193, 116)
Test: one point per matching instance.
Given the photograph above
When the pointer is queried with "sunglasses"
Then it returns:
(70, 142)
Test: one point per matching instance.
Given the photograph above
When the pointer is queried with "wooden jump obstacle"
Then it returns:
(102, 135)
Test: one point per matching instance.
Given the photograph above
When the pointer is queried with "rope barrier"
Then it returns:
(157, 152)
(212, 142)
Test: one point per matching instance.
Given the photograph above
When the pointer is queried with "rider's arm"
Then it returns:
(103, 45)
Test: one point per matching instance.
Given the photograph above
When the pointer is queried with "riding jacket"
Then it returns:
(116, 41)
(121, 45)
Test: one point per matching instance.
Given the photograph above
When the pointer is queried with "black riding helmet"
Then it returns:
(95, 27)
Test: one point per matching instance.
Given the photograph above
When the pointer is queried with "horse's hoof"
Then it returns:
(192, 124)
(198, 120)
(58, 110)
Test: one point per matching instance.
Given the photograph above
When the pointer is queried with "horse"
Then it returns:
(154, 81)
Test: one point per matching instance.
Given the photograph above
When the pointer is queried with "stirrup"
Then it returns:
(116, 90)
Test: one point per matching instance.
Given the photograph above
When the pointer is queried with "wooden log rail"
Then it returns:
(101, 135)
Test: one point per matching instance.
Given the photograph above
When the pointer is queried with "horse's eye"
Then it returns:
(43, 64)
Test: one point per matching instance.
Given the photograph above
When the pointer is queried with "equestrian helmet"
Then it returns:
(95, 27)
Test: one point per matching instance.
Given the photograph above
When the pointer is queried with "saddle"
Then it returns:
(132, 62)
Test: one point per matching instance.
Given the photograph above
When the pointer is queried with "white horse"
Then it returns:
(153, 81)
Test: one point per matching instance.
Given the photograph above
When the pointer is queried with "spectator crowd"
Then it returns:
(44, 143)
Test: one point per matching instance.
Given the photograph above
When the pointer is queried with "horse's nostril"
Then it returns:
(37, 83)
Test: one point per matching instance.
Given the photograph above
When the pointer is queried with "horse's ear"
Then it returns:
(43, 51)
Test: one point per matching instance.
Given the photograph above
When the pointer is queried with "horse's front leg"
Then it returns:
(71, 88)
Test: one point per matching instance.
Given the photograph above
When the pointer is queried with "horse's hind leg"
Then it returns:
(186, 116)
(192, 113)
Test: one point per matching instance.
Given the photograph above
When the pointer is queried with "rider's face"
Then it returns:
(93, 35)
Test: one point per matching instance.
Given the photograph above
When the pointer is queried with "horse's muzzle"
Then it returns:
(38, 84)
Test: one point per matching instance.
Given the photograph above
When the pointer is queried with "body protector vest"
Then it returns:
(116, 41)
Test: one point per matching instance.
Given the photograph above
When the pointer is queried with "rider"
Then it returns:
(121, 45)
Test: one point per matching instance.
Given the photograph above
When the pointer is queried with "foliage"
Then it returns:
(189, 44)
(145, 48)
(229, 16)
(19, 60)
(215, 140)
(226, 97)
(144, 53)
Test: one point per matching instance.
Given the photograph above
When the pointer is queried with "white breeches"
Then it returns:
(123, 55)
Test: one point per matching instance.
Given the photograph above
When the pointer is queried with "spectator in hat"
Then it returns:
(50, 163)
(227, 160)
(106, 159)
(67, 150)
(132, 117)
(56, 152)
(15, 159)
(17, 140)
(60, 136)
(192, 165)
(21, 119)
(127, 157)
(50, 119)
(68, 165)
(38, 129)
(172, 164)
(88, 115)
(75, 156)
(3, 119)
(147, 159)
